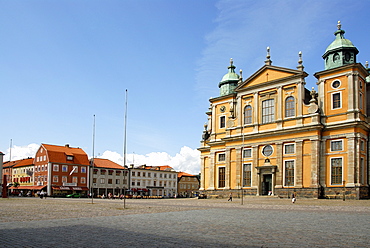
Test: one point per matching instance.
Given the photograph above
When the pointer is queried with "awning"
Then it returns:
(29, 187)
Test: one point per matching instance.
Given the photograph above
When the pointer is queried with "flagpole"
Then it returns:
(125, 175)
(92, 165)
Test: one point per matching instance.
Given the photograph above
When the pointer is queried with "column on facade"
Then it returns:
(279, 163)
(315, 162)
(351, 99)
(273, 170)
(351, 163)
(239, 167)
(357, 169)
(212, 174)
(300, 86)
(202, 169)
(255, 111)
(256, 180)
(356, 91)
(299, 164)
(227, 169)
(279, 108)
(323, 164)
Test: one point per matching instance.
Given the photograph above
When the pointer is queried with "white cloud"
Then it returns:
(21, 152)
(187, 160)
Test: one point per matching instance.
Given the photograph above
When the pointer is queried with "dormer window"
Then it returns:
(69, 158)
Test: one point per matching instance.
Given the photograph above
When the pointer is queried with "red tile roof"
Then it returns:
(58, 154)
(106, 163)
(184, 174)
(24, 162)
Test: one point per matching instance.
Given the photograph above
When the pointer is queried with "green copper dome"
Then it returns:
(229, 81)
(340, 52)
(339, 42)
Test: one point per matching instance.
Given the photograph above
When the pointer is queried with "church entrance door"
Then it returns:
(267, 184)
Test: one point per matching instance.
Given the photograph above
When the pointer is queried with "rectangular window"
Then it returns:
(336, 145)
(55, 167)
(64, 168)
(362, 145)
(74, 179)
(133, 173)
(289, 173)
(83, 180)
(222, 122)
(117, 181)
(247, 153)
(221, 177)
(221, 157)
(289, 149)
(132, 183)
(143, 174)
(55, 179)
(362, 171)
(69, 157)
(138, 183)
(94, 180)
(102, 180)
(138, 173)
(83, 169)
(247, 173)
(268, 111)
(64, 179)
(110, 181)
(248, 114)
(110, 172)
(336, 171)
(336, 100)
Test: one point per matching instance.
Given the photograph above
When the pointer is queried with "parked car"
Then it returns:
(202, 196)
(74, 195)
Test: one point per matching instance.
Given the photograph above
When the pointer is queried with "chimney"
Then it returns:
(67, 145)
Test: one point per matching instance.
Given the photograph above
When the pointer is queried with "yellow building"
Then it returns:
(269, 135)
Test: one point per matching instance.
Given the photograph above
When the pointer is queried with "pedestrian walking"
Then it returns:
(230, 197)
(293, 198)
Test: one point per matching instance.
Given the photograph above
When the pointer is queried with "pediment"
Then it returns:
(270, 74)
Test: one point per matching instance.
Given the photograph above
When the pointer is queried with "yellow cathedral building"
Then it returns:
(269, 135)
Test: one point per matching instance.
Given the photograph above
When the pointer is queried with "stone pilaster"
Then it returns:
(351, 98)
(227, 169)
(315, 162)
(202, 170)
(211, 171)
(322, 165)
(351, 162)
(279, 163)
(279, 108)
(299, 164)
(255, 175)
(239, 166)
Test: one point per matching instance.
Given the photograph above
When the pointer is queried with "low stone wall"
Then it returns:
(316, 193)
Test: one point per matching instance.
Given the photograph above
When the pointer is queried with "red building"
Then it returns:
(61, 169)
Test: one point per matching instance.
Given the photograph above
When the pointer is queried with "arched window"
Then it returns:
(248, 114)
(289, 106)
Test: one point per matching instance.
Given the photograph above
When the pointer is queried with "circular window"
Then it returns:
(267, 151)
(335, 84)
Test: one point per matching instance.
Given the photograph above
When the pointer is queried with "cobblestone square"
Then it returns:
(259, 222)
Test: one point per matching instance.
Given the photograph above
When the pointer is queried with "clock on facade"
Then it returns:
(267, 151)
(335, 84)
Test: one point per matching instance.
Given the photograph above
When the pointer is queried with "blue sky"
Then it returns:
(61, 62)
